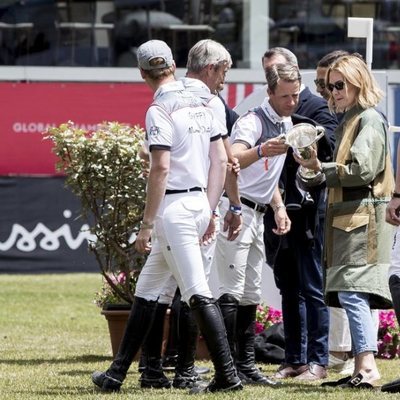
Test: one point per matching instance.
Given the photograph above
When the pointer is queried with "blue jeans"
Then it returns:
(362, 329)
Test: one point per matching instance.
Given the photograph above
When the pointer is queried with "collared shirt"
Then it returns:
(178, 121)
(255, 182)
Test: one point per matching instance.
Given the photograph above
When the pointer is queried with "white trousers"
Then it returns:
(207, 253)
(339, 331)
(181, 222)
(394, 268)
(239, 263)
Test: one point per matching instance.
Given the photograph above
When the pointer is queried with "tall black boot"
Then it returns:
(229, 309)
(139, 323)
(245, 358)
(170, 357)
(153, 375)
(211, 324)
(394, 286)
(185, 374)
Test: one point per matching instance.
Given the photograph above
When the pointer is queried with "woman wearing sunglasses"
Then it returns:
(357, 239)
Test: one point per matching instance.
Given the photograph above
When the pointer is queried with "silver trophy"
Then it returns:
(302, 138)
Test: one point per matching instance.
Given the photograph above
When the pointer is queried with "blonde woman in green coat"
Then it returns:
(360, 183)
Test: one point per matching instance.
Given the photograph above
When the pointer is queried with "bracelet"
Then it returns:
(143, 225)
(237, 210)
(259, 151)
(396, 195)
(278, 206)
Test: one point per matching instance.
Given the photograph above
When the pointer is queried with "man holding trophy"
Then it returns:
(296, 257)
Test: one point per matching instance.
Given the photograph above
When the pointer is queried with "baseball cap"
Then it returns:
(151, 50)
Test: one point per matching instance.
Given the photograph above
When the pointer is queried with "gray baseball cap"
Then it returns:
(149, 51)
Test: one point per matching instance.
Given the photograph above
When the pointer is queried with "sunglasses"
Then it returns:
(320, 83)
(339, 85)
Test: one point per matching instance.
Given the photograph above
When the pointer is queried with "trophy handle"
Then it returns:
(320, 131)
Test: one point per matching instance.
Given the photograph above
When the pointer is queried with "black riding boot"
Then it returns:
(245, 358)
(185, 374)
(211, 324)
(394, 285)
(170, 357)
(153, 375)
(229, 309)
(139, 323)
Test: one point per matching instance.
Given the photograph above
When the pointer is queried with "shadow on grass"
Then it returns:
(85, 358)
(298, 388)
(295, 389)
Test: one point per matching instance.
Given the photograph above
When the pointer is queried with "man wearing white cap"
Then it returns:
(186, 158)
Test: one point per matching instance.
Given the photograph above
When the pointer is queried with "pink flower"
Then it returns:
(266, 317)
(259, 327)
(387, 337)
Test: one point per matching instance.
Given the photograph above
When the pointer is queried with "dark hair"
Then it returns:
(328, 59)
(331, 57)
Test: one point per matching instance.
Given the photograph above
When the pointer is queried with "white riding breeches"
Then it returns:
(240, 262)
(182, 220)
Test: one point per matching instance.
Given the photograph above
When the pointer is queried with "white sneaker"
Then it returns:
(344, 367)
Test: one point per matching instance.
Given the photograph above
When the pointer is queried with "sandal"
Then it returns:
(357, 383)
(339, 382)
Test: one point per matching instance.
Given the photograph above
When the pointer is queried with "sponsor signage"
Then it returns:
(40, 228)
(28, 109)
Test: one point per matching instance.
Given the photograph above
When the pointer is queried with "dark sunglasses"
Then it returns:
(320, 83)
(339, 85)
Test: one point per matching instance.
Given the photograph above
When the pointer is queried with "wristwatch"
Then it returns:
(396, 195)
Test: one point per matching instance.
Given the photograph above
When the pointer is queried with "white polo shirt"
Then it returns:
(255, 182)
(179, 122)
(200, 89)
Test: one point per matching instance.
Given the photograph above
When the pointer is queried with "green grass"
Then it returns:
(52, 337)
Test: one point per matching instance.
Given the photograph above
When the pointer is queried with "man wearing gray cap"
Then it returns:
(186, 158)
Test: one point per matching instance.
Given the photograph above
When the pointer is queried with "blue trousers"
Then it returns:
(298, 276)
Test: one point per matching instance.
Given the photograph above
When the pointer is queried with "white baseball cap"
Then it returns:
(152, 50)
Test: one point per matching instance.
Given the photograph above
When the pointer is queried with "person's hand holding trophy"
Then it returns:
(303, 139)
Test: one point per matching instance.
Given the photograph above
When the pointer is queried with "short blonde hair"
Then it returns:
(158, 74)
(355, 71)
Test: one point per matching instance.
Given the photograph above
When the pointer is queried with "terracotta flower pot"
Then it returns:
(117, 319)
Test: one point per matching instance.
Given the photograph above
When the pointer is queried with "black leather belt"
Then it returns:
(193, 189)
(254, 206)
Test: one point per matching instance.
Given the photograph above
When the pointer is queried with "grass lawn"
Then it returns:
(52, 337)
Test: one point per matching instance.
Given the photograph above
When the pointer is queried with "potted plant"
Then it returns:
(104, 169)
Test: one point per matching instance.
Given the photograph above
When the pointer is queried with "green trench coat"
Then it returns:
(357, 239)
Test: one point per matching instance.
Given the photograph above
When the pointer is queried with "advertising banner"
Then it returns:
(39, 228)
(28, 109)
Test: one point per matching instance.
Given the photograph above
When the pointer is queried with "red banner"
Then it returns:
(29, 108)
